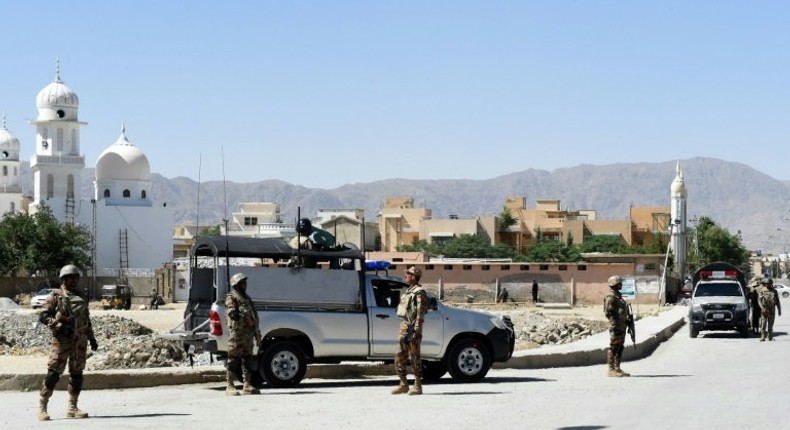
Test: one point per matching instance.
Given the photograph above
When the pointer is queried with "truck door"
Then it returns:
(384, 323)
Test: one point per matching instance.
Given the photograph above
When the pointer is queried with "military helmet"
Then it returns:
(415, 271)
(614, 280)
(235, 279)
(304, 227)
(69, 270)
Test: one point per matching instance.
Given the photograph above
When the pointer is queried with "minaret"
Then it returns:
(57, 164)
(677, 241)
(10, 191)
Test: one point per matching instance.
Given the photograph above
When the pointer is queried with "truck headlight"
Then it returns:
(498, 323)
(741, 306)
(696, 307)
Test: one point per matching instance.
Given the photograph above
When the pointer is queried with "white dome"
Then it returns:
(123, 161)
(57, 94)
(9, 144)
(678, 187)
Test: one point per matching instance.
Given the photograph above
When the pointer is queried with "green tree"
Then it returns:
(553, 251)
(213, 230)
(474, 246)
(613, 243)
(717, 244)
(416, 246)
(506, 219)
(41, 244)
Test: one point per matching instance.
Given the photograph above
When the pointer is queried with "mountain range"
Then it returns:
(734, 195)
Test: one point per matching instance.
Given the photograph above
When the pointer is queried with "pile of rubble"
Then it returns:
(533, 329)
(123, 343)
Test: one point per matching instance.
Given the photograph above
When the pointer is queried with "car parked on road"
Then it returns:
(782, 290)
(41, 296)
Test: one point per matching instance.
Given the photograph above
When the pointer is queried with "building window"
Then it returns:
(59, 140)
(5, 170)
(543, 267)
(127, 194)
(74, 141)
(142, 194)
(107, 193)
(429, 267)
(70, 186)
(524, 267)
(13, 207)
(50, 186)
(650, 266)
(15, 171)
(581, 267)
(504, 267)
(486, 267)
(563, 267)
(467, 267)
(250, 220)
(448, 267)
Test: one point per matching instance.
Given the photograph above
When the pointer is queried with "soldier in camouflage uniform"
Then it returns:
(411, 310)
(769, 304)
(66, 313)
(617, 312)
(243, 322)
(754, 304)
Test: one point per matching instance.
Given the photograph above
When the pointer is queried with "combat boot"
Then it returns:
(416, 390)
(73, 411)
(402, 388)
(42, 408)
(248, 387)
(612, 372)
(762, 336)
(617, 367)
(230, 389)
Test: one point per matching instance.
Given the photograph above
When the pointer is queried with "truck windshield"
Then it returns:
(718, 289)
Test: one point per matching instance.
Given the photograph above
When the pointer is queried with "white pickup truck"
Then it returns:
(335, 311)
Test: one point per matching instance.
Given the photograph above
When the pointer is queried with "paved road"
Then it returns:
(715, 381)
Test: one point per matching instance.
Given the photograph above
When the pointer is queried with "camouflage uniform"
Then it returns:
(754, 305)
(769, 303)
(243, 321)
(411, 310)
(617, 312)
(66, 313)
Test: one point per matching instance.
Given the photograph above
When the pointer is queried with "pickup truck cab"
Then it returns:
(334, 310)
(718, 301)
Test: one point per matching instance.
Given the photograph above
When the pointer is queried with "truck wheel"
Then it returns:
(433, 370)
(744, 331)
(469, 360)
(283, 364)
(693, 331)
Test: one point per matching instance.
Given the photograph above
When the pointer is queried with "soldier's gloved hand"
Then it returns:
(94, 344)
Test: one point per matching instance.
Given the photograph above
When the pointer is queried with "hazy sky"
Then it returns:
(325, 93)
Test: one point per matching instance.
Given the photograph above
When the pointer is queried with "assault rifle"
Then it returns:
(631, 325)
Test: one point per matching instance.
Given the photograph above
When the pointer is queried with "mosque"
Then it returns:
(133, 234)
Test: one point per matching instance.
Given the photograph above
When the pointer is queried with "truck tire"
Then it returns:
(693, 331)
(433, 370)
(283, 364)
(469, 360)
(744, 331)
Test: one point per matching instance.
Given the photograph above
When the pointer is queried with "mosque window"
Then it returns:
(127, 194)
(73, 141)
(61, 113)
(16, 173)
(50, 186)
(70, 186)
(13, 207)
(107, 193)
(142, 194)
(59, 140)
(5, 170)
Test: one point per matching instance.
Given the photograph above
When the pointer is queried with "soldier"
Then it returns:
(617, 312)
(66, 313)
(769, 304)
(411, 310)
(154, 299)
(243, 324)
(754, 304)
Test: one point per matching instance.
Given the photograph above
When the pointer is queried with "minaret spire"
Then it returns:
(57, 70)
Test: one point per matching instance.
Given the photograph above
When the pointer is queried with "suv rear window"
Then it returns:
(718, 289)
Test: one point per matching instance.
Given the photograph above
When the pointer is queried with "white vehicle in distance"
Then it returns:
(41, 296)
(782, 290)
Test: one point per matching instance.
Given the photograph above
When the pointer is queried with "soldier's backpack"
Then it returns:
(766, 298)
